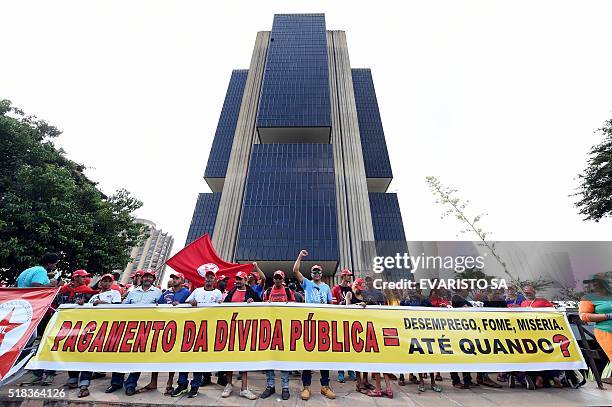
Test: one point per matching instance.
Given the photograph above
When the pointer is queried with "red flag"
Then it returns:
(197, 257)
(21, 309)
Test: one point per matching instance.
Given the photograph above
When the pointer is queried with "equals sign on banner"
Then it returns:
(390, 336)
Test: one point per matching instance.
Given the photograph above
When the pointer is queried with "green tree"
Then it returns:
(48, 204)
(596, 181)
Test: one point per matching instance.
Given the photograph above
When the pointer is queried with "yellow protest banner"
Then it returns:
(306, 336)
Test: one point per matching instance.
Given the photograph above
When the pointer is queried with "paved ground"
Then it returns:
(408, 395)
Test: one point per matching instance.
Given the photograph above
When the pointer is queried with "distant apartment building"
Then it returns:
(152, 254)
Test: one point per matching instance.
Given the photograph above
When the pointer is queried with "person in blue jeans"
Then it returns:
(146, 293)
(315, 292)
(199, 297)
(277, 293)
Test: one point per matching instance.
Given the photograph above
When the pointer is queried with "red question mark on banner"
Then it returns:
(565, 343)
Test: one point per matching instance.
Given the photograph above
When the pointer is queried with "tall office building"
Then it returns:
(299, 159)
(152, 254)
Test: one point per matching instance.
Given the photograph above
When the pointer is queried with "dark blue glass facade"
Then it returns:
(373, 145)
(386, 217)
(204, 216)
(289, 204)
(388, 231)
(224, 136)
(295, 89)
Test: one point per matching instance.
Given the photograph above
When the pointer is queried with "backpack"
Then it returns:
(287, 293)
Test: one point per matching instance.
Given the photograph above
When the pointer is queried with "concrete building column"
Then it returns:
(357, 200)
(230, 206)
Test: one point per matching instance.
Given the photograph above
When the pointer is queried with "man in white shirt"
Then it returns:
(200, 296)
(207, 294)
(106, 295)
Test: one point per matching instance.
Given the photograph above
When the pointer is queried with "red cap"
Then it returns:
(148, 271)
(139, 273)
(108, 276)
(80, 273)
(241, 274)
(279, 273)
(179, 275)
(222, 277)
(346, 272)
(360, 283)
(316, 266)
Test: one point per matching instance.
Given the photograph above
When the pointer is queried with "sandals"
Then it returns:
(422, 388)
(169, 390)
(84, 392)
(362, 389)
(539, 382)
(436, 388)
(374, 393)
(145, 389)
(490, 383)
(387, 393)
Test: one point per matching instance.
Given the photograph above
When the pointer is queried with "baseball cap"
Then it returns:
(148, 271)
(179, 275)
(241, 274)
(108, 276)
(529, 289)
(80, 273)
(254, 275)
(360, 283)
(346, 272)
(222, 277)
(279, 273)
(316, 267)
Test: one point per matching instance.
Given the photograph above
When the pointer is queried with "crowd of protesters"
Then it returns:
(247, 288)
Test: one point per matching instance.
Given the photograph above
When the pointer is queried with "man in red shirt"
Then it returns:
(339, 291)
(532, 300)
(277, 293)
(240, 293)
(77, 291)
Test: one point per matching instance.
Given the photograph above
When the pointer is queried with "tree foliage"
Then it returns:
(48, 204)
(596, 182)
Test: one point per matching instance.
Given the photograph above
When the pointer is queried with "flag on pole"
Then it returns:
(195, 259)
